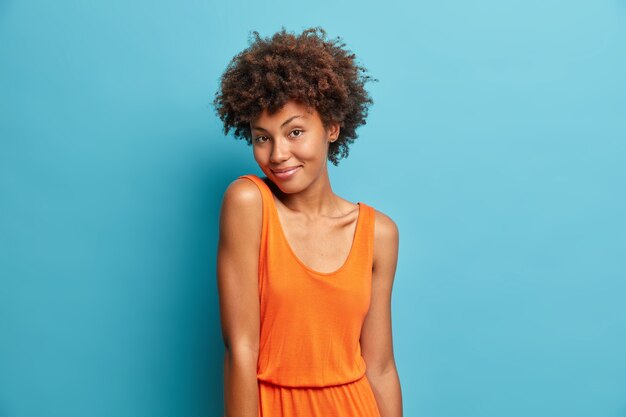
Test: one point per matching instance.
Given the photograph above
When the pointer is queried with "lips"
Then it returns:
(286, 173)
(283, 170)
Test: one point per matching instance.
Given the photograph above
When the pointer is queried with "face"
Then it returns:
(292, 139)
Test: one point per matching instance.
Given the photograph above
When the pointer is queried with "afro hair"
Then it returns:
(307, 68)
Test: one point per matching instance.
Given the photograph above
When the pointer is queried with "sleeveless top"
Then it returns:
(310, 321)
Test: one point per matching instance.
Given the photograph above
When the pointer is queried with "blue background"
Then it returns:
(496, 143)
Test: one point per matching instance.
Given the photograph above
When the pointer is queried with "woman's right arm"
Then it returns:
(237, 280)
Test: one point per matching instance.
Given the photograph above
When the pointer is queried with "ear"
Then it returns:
(333, 131)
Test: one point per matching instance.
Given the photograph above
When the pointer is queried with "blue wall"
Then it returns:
(496, 143)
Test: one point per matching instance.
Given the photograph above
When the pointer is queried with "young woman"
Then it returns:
(304, 276)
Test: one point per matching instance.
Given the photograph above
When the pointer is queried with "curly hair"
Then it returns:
(307, 68)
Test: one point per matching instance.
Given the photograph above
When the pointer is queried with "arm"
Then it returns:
(237, 279)
(376, 335)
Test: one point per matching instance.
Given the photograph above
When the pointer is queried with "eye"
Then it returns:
(298, 130)
(258, 139)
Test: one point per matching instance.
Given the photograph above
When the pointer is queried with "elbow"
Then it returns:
(241, 357)
(381, 369)
(242, 349)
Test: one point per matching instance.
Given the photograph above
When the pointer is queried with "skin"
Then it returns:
(319, 226)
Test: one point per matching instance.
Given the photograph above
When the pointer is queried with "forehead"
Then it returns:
(288, 110)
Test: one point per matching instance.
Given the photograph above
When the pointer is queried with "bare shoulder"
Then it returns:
(242, 194)
(241, 213)
(385, 229)
(386, 239)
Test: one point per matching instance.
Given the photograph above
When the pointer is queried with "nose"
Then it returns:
(280, 151)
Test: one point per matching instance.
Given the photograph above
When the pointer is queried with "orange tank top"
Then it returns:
(310, 320)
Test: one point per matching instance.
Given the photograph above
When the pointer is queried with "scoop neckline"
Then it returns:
(293, 253)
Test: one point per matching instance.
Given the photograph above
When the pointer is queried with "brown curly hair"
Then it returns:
(307, 68)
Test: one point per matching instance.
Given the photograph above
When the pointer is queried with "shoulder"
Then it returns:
(242, 191)
(241, 209)
(386, 238)
(385, 228)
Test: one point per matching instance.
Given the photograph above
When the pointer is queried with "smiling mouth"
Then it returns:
(285, 170)
(287, 173)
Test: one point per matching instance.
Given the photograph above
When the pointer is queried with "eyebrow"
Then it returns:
(283, 124)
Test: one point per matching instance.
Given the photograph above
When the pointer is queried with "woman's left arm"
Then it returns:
(376, 335)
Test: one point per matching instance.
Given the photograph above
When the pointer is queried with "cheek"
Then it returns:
(258, 153)
(314, 150)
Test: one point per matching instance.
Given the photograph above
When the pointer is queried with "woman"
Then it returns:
(304, 276)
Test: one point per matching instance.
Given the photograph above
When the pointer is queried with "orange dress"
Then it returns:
(310, 362)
